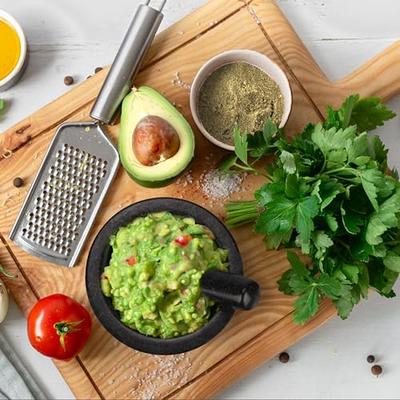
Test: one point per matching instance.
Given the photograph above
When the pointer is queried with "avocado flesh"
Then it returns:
(140, 103)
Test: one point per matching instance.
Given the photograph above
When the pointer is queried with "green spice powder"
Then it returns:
(239, 94)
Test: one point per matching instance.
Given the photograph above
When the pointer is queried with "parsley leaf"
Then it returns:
(278, 218)
(240, 144)
(288, 162)
(369, 113)
(322, 243)
(370, 180)
(228, 162)
(377, 151)
(392, 262)
(256, 145)
(307, 209)
(306, 306)
(385, 218)
(269, 131)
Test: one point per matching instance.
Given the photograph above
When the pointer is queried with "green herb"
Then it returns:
(3, 105)
(238, 94)
(6, 273)
(330, 196)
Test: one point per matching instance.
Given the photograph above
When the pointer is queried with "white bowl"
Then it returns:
(12, 78)
(252, 57)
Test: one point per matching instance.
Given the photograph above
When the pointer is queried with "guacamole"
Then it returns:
(154, 274)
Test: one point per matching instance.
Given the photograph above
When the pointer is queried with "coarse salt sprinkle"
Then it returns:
(220, 185)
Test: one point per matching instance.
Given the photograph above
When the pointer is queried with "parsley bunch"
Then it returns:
(329, 195)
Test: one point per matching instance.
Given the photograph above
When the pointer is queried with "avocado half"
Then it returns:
(137, 106)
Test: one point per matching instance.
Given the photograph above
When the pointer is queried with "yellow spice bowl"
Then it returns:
(12, 77)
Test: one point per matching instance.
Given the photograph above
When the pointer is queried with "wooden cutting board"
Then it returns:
(106, 368)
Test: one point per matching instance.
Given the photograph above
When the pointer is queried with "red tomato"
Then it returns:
(183, 240)
(59, 327)
(131, 261)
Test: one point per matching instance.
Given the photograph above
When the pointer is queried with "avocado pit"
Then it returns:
(154, 140)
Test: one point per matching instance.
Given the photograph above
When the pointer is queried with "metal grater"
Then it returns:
(67, 194)
(81, 161)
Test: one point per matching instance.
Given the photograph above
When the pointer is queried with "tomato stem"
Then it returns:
(63, 328)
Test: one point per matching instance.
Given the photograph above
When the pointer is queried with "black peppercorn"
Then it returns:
(98, 69)
(371, 359)
(376, 370)
(284, 357)
(68, 80)
(18, 182)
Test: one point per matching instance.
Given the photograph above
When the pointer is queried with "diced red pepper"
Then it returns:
(131, 260)
(183, 240)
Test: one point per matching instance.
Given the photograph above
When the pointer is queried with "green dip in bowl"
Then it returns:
(153, 277)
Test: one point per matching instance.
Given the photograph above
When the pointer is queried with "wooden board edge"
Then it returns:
(386, 66)
(251, 355)
(166, 42)
(23, 294)
(282, 37)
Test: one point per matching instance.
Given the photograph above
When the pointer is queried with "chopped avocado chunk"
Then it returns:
(156, 143)
(154, 274)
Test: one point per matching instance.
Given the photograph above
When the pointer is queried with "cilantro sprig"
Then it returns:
(330, 196)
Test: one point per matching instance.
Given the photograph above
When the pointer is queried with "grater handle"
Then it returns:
(126, 64)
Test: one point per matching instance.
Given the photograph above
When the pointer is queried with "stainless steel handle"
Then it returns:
(126, 64)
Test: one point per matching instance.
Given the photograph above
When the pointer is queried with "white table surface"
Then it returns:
(72, 37)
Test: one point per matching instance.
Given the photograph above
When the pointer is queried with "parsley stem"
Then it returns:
(341, 169)
(241, 212)
(244, 167)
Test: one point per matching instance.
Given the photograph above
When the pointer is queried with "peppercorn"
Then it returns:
(376, 370)
(98, 69)
(371, 359)
(18, 182)
(68, 80)
(89, 76)
(284, 357)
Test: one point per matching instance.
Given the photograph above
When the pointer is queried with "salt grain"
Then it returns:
(167, 373)
(219, 185)
(178, 82)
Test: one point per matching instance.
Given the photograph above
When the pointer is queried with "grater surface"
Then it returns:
(67, 193)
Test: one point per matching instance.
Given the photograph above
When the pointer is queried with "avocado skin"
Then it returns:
(160, 106)
(158, 184)
(153, 185)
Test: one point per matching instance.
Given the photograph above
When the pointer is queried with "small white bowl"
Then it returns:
(251, 57)
(12, 78)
